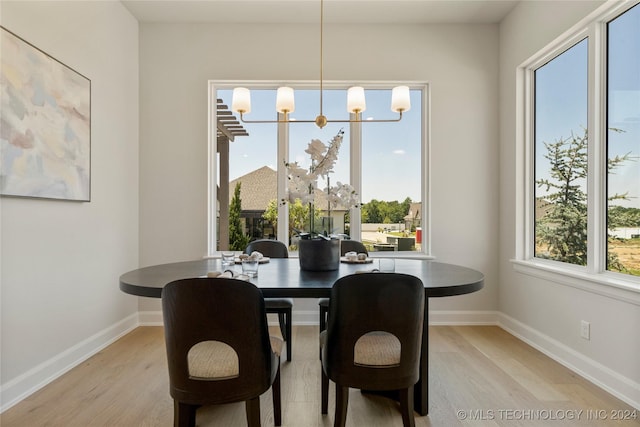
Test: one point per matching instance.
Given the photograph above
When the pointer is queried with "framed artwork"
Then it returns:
(45, 124)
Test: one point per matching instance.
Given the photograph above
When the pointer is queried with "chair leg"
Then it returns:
(284, 318)
(277, 401)
(323, 322)
(324, 393)
(184, 415)
(406, 407)
(288, 326)
(283, 325)
(323, 318)
(342, 401)
(252, 407)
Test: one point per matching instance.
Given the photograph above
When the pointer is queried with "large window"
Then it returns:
(582, 133)
(561, 157)
(623, 142)
(384, 162)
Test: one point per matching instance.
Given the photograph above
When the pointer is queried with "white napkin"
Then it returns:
(228, 274)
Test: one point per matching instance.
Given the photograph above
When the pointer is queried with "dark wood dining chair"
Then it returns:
(218, 347)
(373, 339)
(283, 307)
(345, 246)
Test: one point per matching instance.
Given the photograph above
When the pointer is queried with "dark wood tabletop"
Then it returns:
(283, 278)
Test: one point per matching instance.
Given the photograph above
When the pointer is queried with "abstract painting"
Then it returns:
(45, 124)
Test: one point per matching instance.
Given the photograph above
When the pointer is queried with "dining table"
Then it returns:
(282, 277)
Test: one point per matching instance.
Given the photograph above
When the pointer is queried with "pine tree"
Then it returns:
(238, 241)
(562, 231)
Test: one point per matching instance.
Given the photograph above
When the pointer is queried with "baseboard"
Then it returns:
(461, 317)
(614, 383)
(31, 381)
(150, 318)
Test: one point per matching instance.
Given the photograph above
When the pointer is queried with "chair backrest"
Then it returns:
(268, 247)
(368, 302)
(224, 312)
(352, 246)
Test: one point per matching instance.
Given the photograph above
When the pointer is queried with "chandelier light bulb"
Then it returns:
(241, 101)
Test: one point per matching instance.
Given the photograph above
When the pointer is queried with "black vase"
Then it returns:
(319, 255)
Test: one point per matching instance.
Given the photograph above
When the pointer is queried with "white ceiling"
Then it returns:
(335, 11)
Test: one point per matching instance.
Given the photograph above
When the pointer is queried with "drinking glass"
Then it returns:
(228, 258)
(250, 267)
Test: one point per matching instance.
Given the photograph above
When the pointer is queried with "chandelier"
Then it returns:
(285, 104)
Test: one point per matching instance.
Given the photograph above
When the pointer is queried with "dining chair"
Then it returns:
(373, 339)
(345, 246)
(283, 307)
(218, 347)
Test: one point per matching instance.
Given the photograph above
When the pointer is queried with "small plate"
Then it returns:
(263, 260)
(356, 261)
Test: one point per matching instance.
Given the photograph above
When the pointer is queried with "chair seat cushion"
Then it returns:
(215, 360)
(276, 345)
(378, 348)
(212, 360)
(275, 303)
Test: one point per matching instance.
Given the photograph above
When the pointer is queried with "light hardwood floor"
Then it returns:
(479, 376)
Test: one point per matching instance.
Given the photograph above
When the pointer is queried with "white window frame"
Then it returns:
(594, 277)
(355, 157)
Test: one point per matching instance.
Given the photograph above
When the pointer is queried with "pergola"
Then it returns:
(228, 128)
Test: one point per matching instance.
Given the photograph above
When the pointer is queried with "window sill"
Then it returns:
(606, 284)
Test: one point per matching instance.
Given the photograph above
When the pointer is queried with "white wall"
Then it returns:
(61, 260)
(546, 313)
(460, 63)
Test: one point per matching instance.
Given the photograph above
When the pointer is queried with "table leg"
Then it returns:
(421, 389)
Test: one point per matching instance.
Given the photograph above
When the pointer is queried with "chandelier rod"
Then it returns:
(321, 51)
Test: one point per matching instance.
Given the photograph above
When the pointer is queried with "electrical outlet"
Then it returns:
(585, 330)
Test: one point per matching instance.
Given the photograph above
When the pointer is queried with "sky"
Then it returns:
(561, 103)
(391, 151)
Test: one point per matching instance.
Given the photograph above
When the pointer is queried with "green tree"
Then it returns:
(238, 241)
(377, 211)
(619, 216)
(562, 231)
(271, 213)
(298, 215)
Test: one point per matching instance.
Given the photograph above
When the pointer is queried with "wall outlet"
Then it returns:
(585, 330)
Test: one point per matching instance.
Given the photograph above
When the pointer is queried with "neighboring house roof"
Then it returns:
(415, 212)
(261, 186)
(257, 188)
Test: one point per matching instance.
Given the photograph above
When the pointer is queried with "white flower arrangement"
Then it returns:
(304, 182)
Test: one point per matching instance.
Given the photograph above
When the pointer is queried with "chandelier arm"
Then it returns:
(275, 121)
(357, 120)
(367, 121)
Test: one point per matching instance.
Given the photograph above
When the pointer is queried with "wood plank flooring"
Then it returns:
(479, 376)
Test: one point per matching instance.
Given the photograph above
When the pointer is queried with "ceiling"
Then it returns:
(335, 11)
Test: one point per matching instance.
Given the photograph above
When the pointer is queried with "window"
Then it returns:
(581, 216)
(623, 142)
(391, 176)
(385, 162)
(561, 157)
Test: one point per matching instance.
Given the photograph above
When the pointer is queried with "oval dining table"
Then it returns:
(282, 277)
